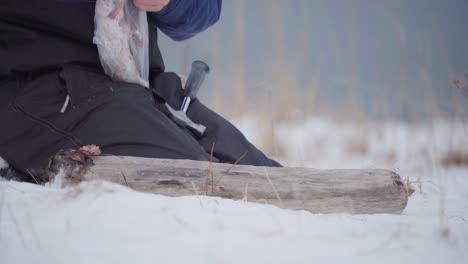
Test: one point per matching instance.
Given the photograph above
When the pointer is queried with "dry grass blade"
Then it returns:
(245, 198)
(196, 193)
(459, 217)
(32, 176)
(466, 130)
(409, 187)
(210, 173)
(125, 178)
(194, 188)
(463, 87)
(272, 186)
(235, 163)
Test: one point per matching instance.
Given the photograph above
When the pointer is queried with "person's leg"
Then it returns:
(230, 145)
(23, 139)
(121, 118)
(124, 119)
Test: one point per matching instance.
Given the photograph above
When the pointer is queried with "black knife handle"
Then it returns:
(196, 78)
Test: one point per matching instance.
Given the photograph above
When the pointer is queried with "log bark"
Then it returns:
(356, 191)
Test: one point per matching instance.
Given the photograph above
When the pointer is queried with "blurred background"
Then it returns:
(319, 65)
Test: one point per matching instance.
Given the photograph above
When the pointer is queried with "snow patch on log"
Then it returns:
(3, 164)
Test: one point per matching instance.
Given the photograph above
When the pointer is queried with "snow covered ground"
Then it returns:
(100, 222)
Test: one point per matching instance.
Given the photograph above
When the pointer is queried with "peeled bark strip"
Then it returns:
(357, 191)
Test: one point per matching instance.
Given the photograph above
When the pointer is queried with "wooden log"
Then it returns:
(357, 191)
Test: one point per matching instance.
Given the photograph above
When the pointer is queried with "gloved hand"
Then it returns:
(150, 5)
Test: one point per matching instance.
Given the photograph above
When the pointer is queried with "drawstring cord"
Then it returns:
(65, 104)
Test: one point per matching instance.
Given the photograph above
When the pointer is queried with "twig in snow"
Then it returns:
(459, 217)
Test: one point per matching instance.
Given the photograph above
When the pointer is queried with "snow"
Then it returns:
(3, 163)
(101, 222)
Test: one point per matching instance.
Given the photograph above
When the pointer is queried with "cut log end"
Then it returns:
(366, 191)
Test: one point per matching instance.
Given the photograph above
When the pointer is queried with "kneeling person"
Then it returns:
(54, 94)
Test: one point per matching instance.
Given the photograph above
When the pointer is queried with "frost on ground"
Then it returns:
(100, 222)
